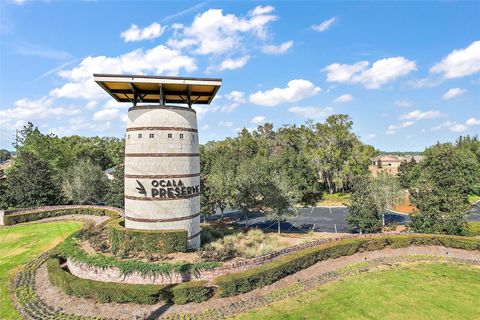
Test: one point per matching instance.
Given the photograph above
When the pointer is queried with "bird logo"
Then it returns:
(141, 188)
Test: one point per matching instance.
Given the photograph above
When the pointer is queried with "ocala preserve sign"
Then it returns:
(169, 189)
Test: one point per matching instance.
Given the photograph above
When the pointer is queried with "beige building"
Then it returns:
(389, 163)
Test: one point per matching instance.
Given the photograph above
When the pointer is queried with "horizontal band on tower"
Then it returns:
(162, 199)
(194, 236)
(162, 220)
(161, 129)
(133, 155)
(161, 107)
(162, 176)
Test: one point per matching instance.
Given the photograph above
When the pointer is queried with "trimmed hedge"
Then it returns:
(149, 242)
(70, 249)
(241, 282)
(14, 218)
(193, 291)
(104, 291)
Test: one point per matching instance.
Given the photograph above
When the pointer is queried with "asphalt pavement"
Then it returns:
(321, 219)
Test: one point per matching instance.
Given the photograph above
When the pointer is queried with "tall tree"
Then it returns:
(115, 196)
(408, 173)
(221, 183)
(280, 198)
(448, 173)
(4, 155)
(363, 215)
(386, 193)
(30, 183)
(85, 183)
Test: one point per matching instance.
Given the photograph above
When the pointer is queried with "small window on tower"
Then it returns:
(170, 135)
(128, 137)
(139, 136)
(152, 135)
(181, 135)
(193, 137)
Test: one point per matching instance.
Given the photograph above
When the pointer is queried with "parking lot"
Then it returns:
(321, 219)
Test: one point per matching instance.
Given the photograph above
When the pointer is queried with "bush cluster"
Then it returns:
(14, 218)
(131, 242)
(104, 291)
(241, 282)
(194, 291)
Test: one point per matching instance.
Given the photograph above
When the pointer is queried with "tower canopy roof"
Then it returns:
(159, 89)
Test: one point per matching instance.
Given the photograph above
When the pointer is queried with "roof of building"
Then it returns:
(159, 89)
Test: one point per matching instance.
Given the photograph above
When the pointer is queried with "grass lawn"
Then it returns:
(474, 229)
(422, 291)
(21, 243)
(473, 198)
(334, 199)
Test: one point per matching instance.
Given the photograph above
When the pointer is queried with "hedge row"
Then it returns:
(149, 242)
(71, 250)
(14, 218)
(125, 293)
(241, 282)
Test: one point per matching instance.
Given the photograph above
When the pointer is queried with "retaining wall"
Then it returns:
(113, 274)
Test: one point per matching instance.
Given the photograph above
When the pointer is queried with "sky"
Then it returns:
(407, 73)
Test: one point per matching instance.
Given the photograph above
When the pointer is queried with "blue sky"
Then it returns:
(408, 73)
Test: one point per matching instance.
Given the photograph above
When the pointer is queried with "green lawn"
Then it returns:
(423, 291)
(473, 198)
(19, 244)
(474, 229)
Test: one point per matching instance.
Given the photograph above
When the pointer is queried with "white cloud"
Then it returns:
(381, 72)
(472, 122)
(392, 129)
(419, 115)
(91, 105)
(403, 103)
(158, 60)
(226, 124)
(279, 49)
(134, 33)
(370, 136)
(311, 112)
(452, 93)
(343, 98)
(236, 96)
(258, 120)
(458, 127)
(205, 127)
(459, 63)
(296, 90)
(232, 64)
(212, 32)
(325, 25)
(106, 114)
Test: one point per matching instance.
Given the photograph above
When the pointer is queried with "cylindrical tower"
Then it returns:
(162, 170)
(162, 164)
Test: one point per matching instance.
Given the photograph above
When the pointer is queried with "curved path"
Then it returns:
(217, 308)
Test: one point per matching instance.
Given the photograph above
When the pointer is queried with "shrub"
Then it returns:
(223, 252)
(131, 242)
(104, 291)
(14, 218)
(194, 291)
(241, 282)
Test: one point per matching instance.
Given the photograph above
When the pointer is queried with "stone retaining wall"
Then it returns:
(113, 274)
(51, 208)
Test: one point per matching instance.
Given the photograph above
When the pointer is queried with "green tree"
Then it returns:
(4, 155)
(385, 192)
(30, 183)
(448, 173)
(250, 182)
(363, 215)
(279, 199)
(115, 196)
(408, 173)
(85, 183)
(221, 183)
